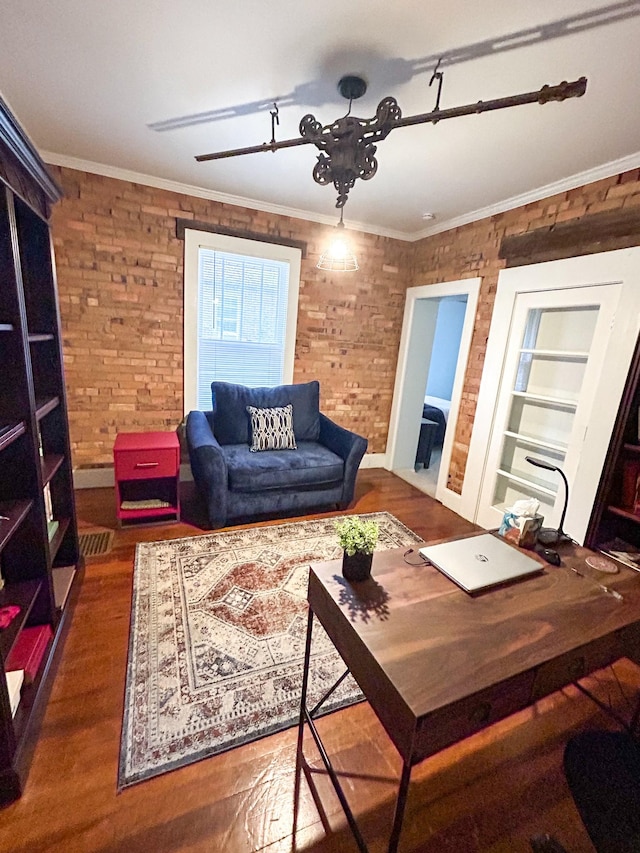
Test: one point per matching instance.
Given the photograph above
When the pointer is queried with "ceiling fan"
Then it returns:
(347, 146)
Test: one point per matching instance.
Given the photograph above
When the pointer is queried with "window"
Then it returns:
(241, 304)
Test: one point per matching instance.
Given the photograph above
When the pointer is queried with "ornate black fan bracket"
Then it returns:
(348, 145)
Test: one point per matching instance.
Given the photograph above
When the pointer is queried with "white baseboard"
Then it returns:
(453, 501)
(374, 460)
(93, 478)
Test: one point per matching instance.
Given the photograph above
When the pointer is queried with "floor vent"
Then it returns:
(96, 543)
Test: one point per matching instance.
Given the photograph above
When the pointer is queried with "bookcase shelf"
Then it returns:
(10, 433)
(50, 464)
(43, 407)
(40, 563)
(624, 513)
(22, 595)
(58, 537)
(14, 513)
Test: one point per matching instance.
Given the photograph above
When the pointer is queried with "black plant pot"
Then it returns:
(357, 567)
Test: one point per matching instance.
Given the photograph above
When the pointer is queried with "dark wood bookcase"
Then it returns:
(39, 556)
(616, 511)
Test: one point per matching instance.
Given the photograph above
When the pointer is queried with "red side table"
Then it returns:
(147, 472)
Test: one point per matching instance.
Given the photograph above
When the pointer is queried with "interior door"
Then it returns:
(548, 394)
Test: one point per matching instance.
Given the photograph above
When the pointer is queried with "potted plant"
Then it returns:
(357, 539)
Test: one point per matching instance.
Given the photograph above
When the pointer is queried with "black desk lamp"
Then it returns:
(548, 535)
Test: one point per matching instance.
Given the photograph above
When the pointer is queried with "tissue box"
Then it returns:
(522, 530)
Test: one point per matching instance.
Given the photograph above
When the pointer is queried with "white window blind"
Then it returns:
(241, 330)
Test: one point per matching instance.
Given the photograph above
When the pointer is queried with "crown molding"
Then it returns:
(211, 195)
(15, 138)
(607, 170)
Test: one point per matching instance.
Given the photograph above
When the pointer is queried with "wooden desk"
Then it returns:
(437, 665)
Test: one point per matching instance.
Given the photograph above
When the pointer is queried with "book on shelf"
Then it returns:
(29, 650)
(15, 678)
(622, 551)
(48, 503)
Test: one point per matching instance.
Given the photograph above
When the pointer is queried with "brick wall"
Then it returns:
(473, 250)
(120, 268)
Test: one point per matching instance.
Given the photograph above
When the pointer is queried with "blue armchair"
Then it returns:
(238, 483)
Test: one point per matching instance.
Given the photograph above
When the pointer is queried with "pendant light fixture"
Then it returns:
(338, 256)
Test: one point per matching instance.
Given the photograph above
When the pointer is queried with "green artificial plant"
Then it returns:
(357, 535)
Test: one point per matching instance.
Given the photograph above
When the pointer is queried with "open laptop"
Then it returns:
(478, 562)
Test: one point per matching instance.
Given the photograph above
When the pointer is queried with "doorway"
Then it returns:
(434, 347)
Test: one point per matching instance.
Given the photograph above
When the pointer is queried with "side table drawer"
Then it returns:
(143, 464)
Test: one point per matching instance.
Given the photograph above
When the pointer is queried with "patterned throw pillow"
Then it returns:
(272, 429)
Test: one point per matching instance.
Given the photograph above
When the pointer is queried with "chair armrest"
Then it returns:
(208, 466)
(350, 446)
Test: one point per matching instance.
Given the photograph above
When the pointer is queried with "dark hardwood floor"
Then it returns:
(491, 792)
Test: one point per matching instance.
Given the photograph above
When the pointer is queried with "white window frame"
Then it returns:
(195, 240)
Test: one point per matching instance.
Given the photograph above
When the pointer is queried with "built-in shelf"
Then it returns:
(557, 353)
(36, 338)
(536, 442)
(523, 481)
(542, 398)
(6, 327)
(632, 448)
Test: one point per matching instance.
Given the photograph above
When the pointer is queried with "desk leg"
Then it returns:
(306, 716)
(305, 682)
(401, 802)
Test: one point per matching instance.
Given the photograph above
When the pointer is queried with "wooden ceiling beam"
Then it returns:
(596, 232)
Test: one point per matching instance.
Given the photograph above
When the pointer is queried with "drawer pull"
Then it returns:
(147, 464)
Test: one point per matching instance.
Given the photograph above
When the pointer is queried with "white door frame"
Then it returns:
(620, 267)
(413, 369)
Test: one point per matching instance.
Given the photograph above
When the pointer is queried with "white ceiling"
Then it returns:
(88, 79)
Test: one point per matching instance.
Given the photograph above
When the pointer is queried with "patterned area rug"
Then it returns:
(217, 641)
